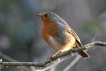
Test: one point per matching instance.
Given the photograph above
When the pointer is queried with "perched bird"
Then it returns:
(58, 34)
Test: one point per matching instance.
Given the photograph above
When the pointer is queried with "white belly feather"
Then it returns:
(60, 47)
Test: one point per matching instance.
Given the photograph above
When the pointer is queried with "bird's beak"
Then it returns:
(38, 15)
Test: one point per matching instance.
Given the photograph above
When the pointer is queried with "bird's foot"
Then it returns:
(51, 59)
(71, 52)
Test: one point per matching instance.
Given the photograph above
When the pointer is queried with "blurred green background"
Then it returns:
(20, 30)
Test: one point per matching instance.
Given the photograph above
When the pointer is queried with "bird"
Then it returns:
(58, 34)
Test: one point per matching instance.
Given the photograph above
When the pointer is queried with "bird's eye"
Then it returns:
(46, 15)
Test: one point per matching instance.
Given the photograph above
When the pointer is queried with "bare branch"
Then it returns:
(97, 43)
(95, 36)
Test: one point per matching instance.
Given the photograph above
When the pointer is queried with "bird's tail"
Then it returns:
(84, 54)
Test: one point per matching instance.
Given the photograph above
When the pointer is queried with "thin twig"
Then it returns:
(95, 36)
(7, 57)
(72, 63)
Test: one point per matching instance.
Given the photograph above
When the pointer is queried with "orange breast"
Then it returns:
(50, 29)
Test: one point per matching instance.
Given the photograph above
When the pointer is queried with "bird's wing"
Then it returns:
(76, 36)
(69, 30)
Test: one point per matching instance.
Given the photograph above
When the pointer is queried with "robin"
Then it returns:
(58, 34)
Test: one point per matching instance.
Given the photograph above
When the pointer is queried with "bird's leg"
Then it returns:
(56, 53)
(51, 58)
(71, 52)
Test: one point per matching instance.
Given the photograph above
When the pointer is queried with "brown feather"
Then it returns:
(82, 53)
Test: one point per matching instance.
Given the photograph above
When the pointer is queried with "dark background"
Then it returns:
(20, 30)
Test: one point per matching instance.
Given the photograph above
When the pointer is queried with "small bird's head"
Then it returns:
(48, 16)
